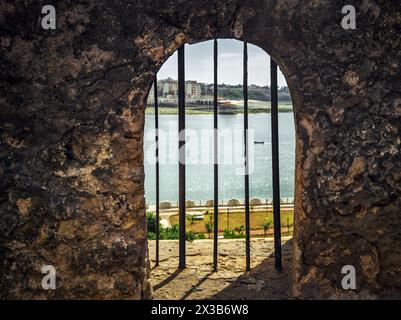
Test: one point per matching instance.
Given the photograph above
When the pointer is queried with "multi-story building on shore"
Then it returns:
(202, 93)
(193, 90)
(168, 88)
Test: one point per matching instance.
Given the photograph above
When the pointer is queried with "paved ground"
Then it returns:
(231, 282)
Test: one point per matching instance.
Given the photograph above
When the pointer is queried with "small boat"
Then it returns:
(226, 107)
(259, 142)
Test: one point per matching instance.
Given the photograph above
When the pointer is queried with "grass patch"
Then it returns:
(235, 220)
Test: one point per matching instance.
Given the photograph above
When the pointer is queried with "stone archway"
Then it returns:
(231, 281)
(72, 114)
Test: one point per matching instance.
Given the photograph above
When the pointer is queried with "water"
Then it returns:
(199, 177)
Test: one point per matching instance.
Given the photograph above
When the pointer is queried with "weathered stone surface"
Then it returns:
(71, 134)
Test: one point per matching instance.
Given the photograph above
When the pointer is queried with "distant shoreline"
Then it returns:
(194, 110)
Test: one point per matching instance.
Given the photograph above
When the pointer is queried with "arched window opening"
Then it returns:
(219, 147)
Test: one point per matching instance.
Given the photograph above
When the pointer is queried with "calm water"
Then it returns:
(199, 177)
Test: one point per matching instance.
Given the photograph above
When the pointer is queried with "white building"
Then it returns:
(193, 90)
(168, 88)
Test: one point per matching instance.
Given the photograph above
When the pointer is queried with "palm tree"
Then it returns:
(209, 226)
(288, 225)
(240, 230)
(191, 218)
(228, 218)
(266, 225)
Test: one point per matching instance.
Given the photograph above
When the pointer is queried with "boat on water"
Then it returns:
(226, 107)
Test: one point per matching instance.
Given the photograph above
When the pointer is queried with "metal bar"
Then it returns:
(275, 163)
(181, 146)
(247, 217)
(157, 171)
(216, 159)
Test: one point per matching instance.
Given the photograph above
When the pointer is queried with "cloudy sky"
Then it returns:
(199, 64)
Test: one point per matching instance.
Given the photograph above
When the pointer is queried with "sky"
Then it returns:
(199, 64)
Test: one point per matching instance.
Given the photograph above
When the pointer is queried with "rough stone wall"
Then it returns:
(71, 134)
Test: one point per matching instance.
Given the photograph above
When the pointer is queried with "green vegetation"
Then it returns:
(168, 233)
(237, 233)
(266, 225)
(232, 93)
(289, 224)
(236, 219)
(235, 92)
(174, 110)
(151, 222)
(191, 218)
(230, 224)
(191, 236)
(209, 225)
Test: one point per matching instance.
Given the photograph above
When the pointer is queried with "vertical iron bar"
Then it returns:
(247, 218)
(275, 163)
(216, 166)
(181, 146)
(157, 171)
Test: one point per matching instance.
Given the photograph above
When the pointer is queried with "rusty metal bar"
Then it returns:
(247, 215)
(216, 159)
(181, 146)
(275, 163)
(157, 172)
